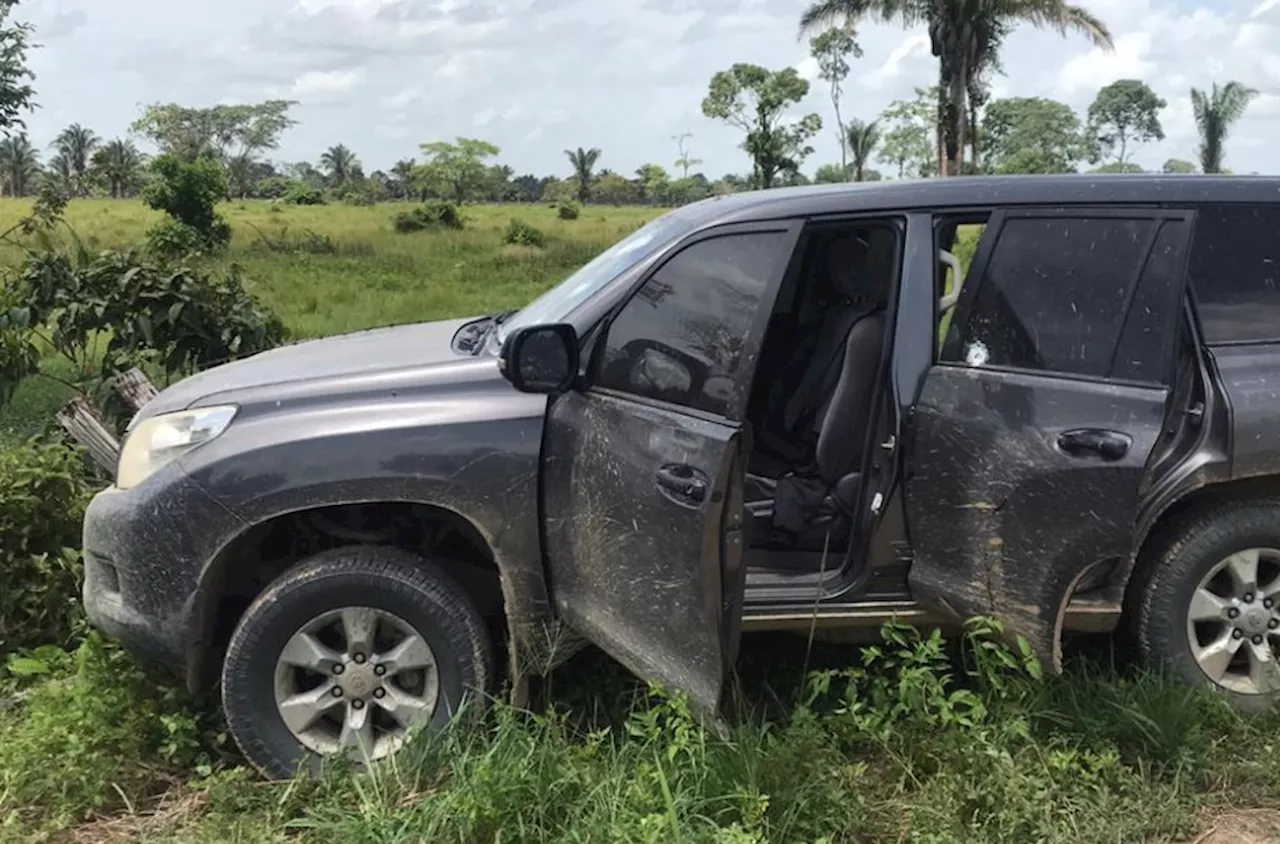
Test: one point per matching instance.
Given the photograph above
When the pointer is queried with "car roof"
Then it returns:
(979, 192)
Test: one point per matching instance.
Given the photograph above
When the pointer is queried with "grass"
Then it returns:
(912, 740)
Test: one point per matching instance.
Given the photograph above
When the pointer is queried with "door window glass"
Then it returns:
(682, 337)
(1235, 272)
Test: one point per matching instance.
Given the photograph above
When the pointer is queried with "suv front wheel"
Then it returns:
(1207, 602)
(347, 653)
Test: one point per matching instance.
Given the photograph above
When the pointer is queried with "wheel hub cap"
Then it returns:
(1233, 622)
(356, 680)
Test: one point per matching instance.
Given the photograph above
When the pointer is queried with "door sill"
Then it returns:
(1081, 617)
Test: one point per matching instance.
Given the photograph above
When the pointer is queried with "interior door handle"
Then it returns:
(1109, 445)
(683, 482)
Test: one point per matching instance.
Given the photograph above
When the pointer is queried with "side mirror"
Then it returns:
(541, 358)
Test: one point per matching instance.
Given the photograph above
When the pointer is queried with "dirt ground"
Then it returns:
(1242, 826)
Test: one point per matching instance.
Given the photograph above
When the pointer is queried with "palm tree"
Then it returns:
(340, 163)
(59, 169)
(964, 35)
(584, 162)
(76, 144)
(119, 165)
(1216, 112)
(19, 165)
(402, 172)
(862, 140)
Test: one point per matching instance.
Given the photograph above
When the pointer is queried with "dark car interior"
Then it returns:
(811, 411)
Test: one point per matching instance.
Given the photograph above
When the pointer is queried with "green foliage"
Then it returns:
(173, 239)
(300, 193)
(568, 210)
(188, 192)
(103, 733)
(16, 94)
(1126, 112)
(756, 100)
(862, 139)
(1033, 135)
(909, 134)
(340, 165)
(1177, 166)
(1216, 113)
(437, 214)
(584, 163)
(118, 168)
(183, 318)
(520, 233)
(223, 131)
(42, 499)
(830, 174)
(455, 171)
(832, 48)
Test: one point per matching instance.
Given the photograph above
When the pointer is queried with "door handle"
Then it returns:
(1109, 445)
(683, 482)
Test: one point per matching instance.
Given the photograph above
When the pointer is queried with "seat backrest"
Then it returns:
(843, 430)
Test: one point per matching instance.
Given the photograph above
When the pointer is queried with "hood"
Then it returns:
(374, 351)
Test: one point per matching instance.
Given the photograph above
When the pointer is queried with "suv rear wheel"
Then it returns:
(348, 652)
(1208, 602)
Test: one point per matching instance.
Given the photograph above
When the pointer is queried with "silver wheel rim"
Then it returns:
(1233, 622)
(356, 680)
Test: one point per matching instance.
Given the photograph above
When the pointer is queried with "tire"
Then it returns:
(1170, 572)
(397, 586)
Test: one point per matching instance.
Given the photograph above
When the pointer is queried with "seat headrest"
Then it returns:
(847, 267)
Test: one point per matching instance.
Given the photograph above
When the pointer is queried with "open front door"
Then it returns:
(643, 468)
(1030, 440)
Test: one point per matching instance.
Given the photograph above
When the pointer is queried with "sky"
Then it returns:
(538, 76)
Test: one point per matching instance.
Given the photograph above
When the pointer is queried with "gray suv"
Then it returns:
(1052, 401)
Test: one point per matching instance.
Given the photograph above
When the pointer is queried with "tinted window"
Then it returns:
(1146, 348)
(1235, 272)
(682, 336)
(1054, 294)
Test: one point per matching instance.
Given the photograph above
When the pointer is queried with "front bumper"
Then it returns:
(145, 551)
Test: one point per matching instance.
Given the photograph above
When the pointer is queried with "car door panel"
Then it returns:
(1004, 519)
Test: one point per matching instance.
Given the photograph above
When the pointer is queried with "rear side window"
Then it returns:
(1054, 295)
(682, 337)
(1235, 272)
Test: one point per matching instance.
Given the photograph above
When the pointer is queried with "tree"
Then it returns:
(910, 142)
(755, 100)
(19, 165)
(402, 178)
(1216, 112)
(615, 189)
(234, 134)
(832, 50)
(455, 171)
(1125, 112)
(1033, 135)
(339, 163)
(16, 93)
(1176, 166)
(1121, 167)
(964, 35)
(654, 183)
(188, 191)
(830, 174)
(118, 167)
(684, 162)
(76, 144)
(862, 139)
(584, 162)
(59, 172)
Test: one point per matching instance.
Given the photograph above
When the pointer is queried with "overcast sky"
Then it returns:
(537, 76)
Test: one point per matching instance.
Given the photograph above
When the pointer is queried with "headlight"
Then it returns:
(163, 439)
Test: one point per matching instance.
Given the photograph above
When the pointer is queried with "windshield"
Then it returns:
(559, 301)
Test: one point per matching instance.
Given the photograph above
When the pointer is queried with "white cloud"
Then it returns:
(324, 83)
(1097, 68)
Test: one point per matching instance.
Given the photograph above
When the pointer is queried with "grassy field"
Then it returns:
(914, 740)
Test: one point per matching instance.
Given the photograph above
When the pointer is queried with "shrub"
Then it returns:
(520, 233)
(435, 214)
(173, 239)
(568, 211)
(301, 193)
(188, 192)
(273, 187)
(42, 498)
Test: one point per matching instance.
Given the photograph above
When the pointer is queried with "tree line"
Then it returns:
(948, 129)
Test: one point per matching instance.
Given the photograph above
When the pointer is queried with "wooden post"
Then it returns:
(134, 387)
(84, 423)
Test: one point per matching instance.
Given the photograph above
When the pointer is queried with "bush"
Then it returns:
(173, 239)
(568, 211)
(520, 233)
(188, 192)
(300, 193)
(436, 214)
(43, 493)
(273, 187)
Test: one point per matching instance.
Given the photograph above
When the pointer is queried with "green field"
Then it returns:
(910, 741)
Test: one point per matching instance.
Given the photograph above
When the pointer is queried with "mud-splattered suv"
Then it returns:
(1055, 401)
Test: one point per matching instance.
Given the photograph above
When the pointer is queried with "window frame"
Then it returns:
(790, 228)
(976, 276)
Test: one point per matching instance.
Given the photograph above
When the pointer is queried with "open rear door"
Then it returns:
(1029, 442)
